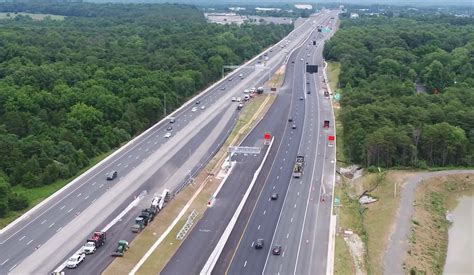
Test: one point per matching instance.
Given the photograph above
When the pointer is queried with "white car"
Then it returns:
(168, 135)
(194, 109)
(309, 55)
(246, 91)
(239, 99)
(203, 107)
(89, 248)
(75, 260)
(234, 99)
(302, 59)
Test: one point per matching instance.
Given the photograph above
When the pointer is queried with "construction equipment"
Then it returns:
(326, 124)
(298, 168)
(122, 246)
(139, 225)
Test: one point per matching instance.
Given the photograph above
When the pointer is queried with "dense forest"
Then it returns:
(73, 89)
(388, 121)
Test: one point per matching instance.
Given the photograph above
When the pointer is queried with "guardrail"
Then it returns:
(186, 226)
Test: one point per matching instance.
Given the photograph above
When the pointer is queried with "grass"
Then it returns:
(342, 258)
(333, 71)
(164, 252)
(34, 16)
(38, 194)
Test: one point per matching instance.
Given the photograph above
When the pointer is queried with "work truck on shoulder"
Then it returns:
(298, 168)
(97, 240)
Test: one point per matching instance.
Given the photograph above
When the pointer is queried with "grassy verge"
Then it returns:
(429, 232)
(333, 71)
(252, 112)
(36, 195)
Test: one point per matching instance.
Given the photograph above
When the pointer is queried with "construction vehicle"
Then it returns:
(260, 90)
(326, 94)
(139, 225)
(326, 124)
(97, 240)
(298, 168)
(122, 246)
(240, 106)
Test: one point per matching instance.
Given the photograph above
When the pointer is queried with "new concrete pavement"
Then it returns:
(300, 223)
(47, 235)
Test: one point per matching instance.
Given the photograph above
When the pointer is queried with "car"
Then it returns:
(239, 99)
(302, 59)
(172, 120)
(271, 50)
(169, 128)
(308, 91)
(234, 99)
(276, 250)
(89, 248)
(292, 61)
(265, 54)
(246, 97)
(168, 135)
(259, 244)
(194, 109)
(301, 98)
(290, 119)
(309, 55)
(241, 75)
(112, 175)
(246, 91)
(307, 82)
(203, 107)
(274, 196)
(75, 260)
(198, 101)
(223, 88)
(230, 79)
(293, 126)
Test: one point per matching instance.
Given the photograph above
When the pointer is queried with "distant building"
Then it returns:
(236, 9)
(304, 6)
(354, 15)
(267, 9)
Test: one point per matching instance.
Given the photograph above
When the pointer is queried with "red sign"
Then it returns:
(267, 136)
(331, 138)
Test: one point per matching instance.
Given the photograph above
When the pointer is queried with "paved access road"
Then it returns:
(299, 222)
(151, 162)
(205, 235)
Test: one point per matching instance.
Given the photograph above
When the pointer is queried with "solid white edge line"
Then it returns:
(212, 260)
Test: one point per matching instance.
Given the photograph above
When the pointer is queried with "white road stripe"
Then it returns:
(69, 211)
(5, 262)
(51, 225)
(43, 222)
(78, 195)
(22, 238)
(86, 197)
(62, 207)
(28, 243)
(11, 268)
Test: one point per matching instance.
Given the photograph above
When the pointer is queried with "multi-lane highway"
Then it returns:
(299, 222)
(291, 102)
(47, 235)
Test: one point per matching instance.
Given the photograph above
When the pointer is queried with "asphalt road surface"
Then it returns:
(206, 234)
(300, 223)
(41, 241)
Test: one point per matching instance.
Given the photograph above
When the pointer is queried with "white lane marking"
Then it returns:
(298, 194)
(287, 235)
(59, 229)
(69, 211)
(258, 227)
(93, 200)
(11, 268)
(273, 187)
(5, 262)
(62, 207)
(43, 222)
(291, 221)
(295, 205)
(101, 185)
(129, 156)
(137, 157)
(264, 211)
(28, 243)
(86, 197)
(245, 264)
(252, 244)
(94, 183)
(22, 238)
(156, 142)
(126, 166)
(146, 150)
(51, 225)
(278, 177)
(281, 167)
(119, 164)
(78, 195)
(283, 254)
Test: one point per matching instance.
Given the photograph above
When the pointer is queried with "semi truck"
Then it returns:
(298, 168)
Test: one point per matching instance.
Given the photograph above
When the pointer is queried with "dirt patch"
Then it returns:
(356, 248)
(428, 241)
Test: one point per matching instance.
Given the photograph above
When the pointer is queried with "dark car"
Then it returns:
(292, 61)
(198, 101)
(259, 244)
(293, 126)
(172, 120)
(276, 250)
(274, 196)
(112, 175)
(301, 98)
(290, 119)
(308, 91)
(169, 128)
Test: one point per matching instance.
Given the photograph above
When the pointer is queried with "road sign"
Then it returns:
(244, 150)
(337, 201)
(337, 96)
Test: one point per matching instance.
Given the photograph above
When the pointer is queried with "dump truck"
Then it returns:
(122, 246)
(298, 168)
(139, 224)
(260, 90)
(96, 240)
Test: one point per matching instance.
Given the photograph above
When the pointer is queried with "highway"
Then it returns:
(205, 235)
(48, 234)
(300, 221)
